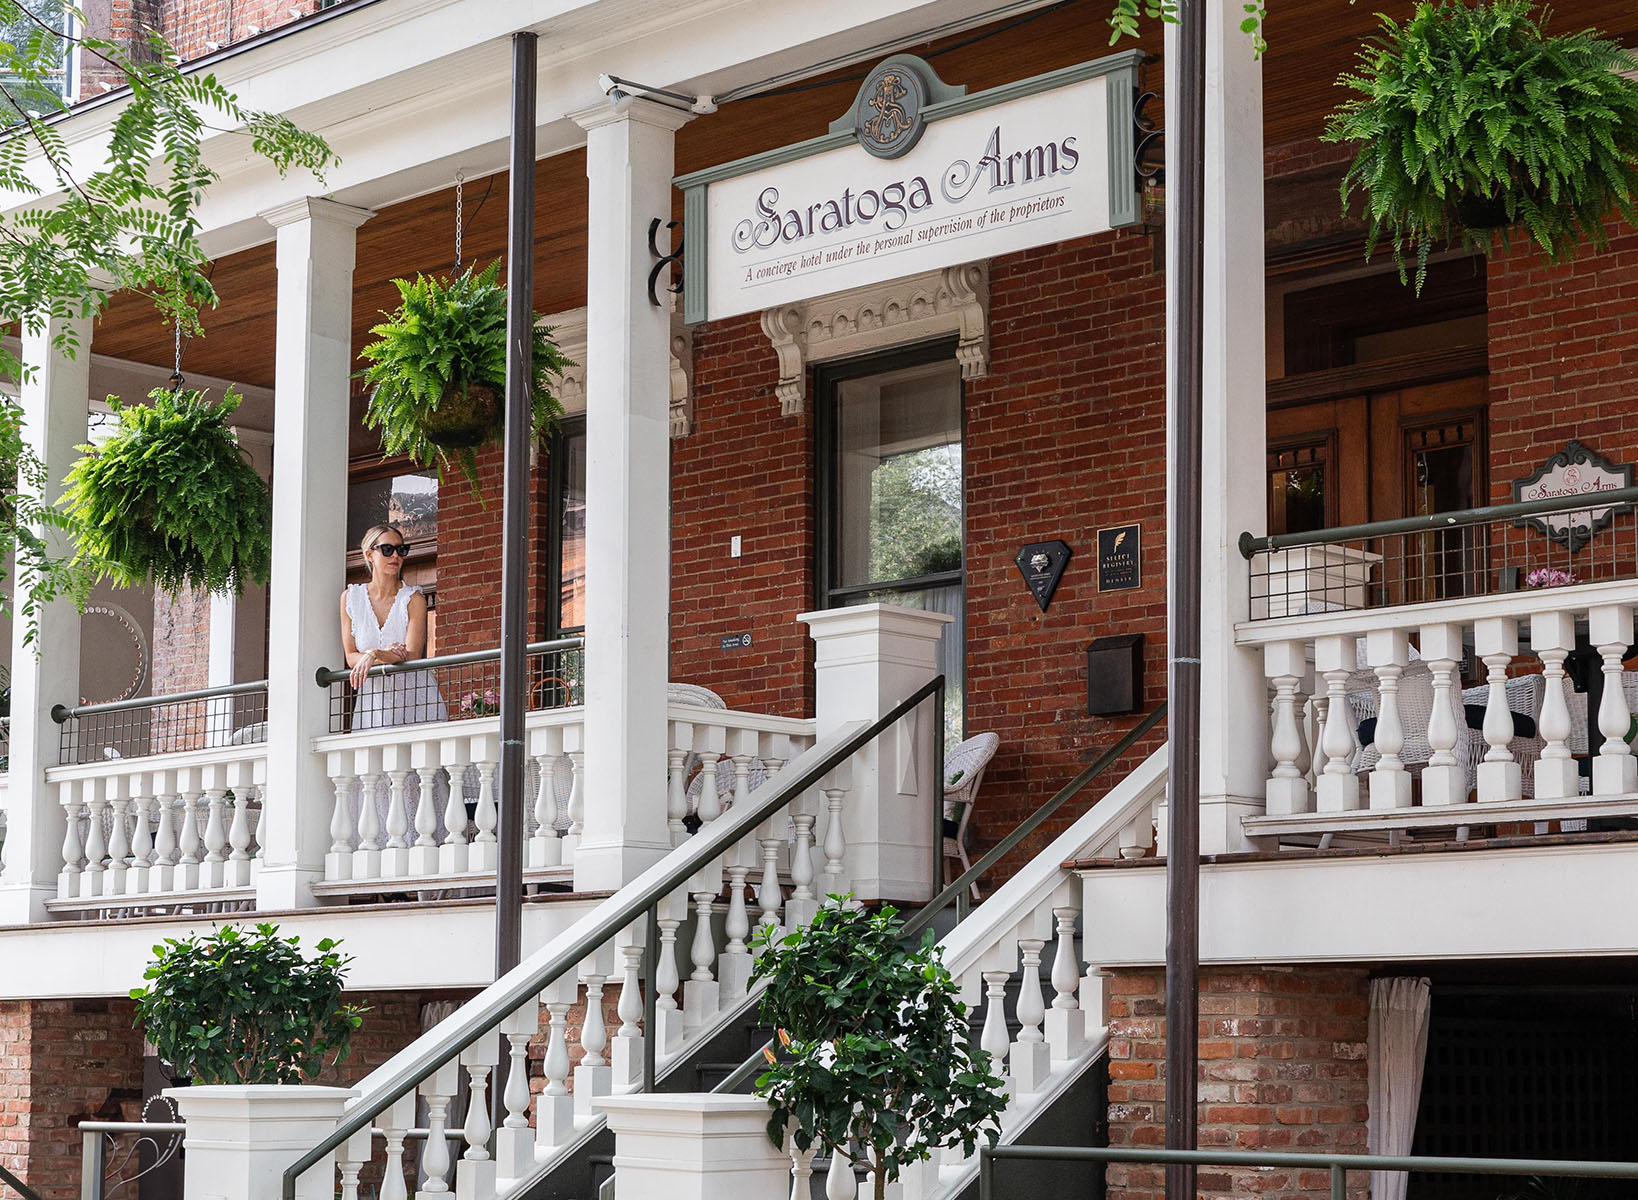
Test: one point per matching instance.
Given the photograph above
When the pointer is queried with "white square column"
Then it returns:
(312, 361)
(1233, 695)
(866, 659)
(47, 671)
(629, 163)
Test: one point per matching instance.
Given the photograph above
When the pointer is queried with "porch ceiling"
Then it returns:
(1311, 42)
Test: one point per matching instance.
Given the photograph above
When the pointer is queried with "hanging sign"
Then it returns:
(1574, 471)
(917, 176)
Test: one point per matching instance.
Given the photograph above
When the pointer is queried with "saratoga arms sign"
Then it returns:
(918, 175)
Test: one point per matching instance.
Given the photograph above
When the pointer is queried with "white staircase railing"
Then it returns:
(740, 853)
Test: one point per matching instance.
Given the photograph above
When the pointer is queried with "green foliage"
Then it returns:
(915, 513)
(1479, 107)
(238, 1006)
(876, 1064)
(129, 225)
(1123, 19)
(447, 333)
(171, 498)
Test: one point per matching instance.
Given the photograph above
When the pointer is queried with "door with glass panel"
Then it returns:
(890, 495)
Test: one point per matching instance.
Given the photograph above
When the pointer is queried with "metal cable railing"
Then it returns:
(234, 714)
(1338, 1165)
(453, 686)
(1444, 556)
(485, 1013)
(956, 891)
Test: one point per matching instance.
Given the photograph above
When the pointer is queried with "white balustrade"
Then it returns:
(1434, 753)
(151, 834)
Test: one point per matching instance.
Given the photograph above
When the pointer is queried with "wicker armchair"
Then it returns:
(964, 769)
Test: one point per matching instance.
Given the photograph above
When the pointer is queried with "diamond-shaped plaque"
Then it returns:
(1042, 566)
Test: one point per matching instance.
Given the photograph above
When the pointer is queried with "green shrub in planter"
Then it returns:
(238, 1006)
(876, 1064)
(437, 371)
(1474, 120)
(171, 498)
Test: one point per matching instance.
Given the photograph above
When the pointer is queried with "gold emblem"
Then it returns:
(890, 121)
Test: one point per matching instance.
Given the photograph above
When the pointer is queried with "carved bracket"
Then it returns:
(913, 309)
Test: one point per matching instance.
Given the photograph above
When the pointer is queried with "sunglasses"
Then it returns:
(389, 549)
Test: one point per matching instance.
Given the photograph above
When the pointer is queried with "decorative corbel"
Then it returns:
(784, 330)
(682, 377)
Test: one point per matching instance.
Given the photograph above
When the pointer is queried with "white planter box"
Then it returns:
(1310, 579)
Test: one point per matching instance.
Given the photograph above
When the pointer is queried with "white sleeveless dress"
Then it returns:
(403, 698)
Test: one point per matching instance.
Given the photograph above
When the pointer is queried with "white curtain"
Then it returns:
(1398, 1050)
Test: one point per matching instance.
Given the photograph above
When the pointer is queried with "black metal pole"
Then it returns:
(1186, 205)
(520, 321)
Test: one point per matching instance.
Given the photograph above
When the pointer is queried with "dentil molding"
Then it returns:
(912, 309)
(569, 332)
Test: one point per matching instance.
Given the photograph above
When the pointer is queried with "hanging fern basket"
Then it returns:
(171, 499)
(1472, 123)
(467, 416)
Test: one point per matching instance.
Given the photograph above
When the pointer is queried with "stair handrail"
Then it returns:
(957, 890)
(483, 1014)
(22, 1189)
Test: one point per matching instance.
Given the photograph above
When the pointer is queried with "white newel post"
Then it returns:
(1233, 694)
(46, 672)
(629, 162)
(694, 1147)
(867, 658)
(240, 1139)
(312, 360)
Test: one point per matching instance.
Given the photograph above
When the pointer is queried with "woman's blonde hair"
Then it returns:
(372, 535)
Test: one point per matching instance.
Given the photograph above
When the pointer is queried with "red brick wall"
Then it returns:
(746, 470)
(1066, 435)
(1282, 1067)
(181, 662)
(1563, 356)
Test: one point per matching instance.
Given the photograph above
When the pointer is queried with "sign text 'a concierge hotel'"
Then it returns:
(918, 175)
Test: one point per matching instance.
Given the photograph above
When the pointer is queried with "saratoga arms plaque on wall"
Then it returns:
(899, 186)
(1574, 471)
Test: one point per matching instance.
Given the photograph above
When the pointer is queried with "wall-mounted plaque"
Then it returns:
(736, 641)
(1042, 566)
(1120, 558)
(1574, 471)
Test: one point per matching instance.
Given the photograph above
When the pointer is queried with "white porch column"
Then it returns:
(47, 671)
(312, 360)
(629, 157)
(867, 658)
(1233, 696)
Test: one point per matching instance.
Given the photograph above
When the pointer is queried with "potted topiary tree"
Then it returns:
(1472, 120)
(171, 498)
(246, 1007)
(876, 1063)
(438, 370)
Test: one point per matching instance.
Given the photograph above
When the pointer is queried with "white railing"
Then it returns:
(1371, 729)
(169, 829)
(735, 865)
(715, 758)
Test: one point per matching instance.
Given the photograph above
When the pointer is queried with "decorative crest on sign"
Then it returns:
(1576, 470)
(888, 115)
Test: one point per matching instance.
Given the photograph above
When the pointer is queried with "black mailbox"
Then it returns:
(1114, 675)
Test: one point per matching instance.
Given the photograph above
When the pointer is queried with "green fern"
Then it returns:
(171, 498)
(1466, 106)
(447, 333)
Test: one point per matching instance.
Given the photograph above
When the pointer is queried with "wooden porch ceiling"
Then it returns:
(1311, 42)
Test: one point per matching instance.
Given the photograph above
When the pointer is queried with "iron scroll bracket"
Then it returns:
(663, 260)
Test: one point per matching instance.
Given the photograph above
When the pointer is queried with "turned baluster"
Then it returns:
(68, 879)
(163, 876)
(577, 792)
(835, 789)
(676, 792)
(769, 895)
(1065, 1022)
(627, 1053)
(840, 1182)
(742, 747)
(213, 871)
(1615, 771)
(338, 863)
(710, 802)
(1338, 789)
(423, 855)
(395, 854)
(1552, 637)
(1388, 653)
(1496, 640)
(1444, 780)
(438, 1089)
(545, 846)
(95, 807)
(1030, 1055)
(514, 1140)
(993, 1038)
(189, 797)
(802, 1171)
(803, 904)
(593, 1077)
(484, 851)
(702, 994)
(667, 1030)
(477, 1172)
(142, 842)
(734, 966)
(554, 1107)
(1285, 663)
(396, 1122)
(452, 855)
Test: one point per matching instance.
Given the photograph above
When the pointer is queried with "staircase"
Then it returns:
(1008, 957)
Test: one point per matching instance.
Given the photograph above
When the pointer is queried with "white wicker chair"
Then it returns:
(964, 769)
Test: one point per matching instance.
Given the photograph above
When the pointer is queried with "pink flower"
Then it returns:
(1548, 577)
